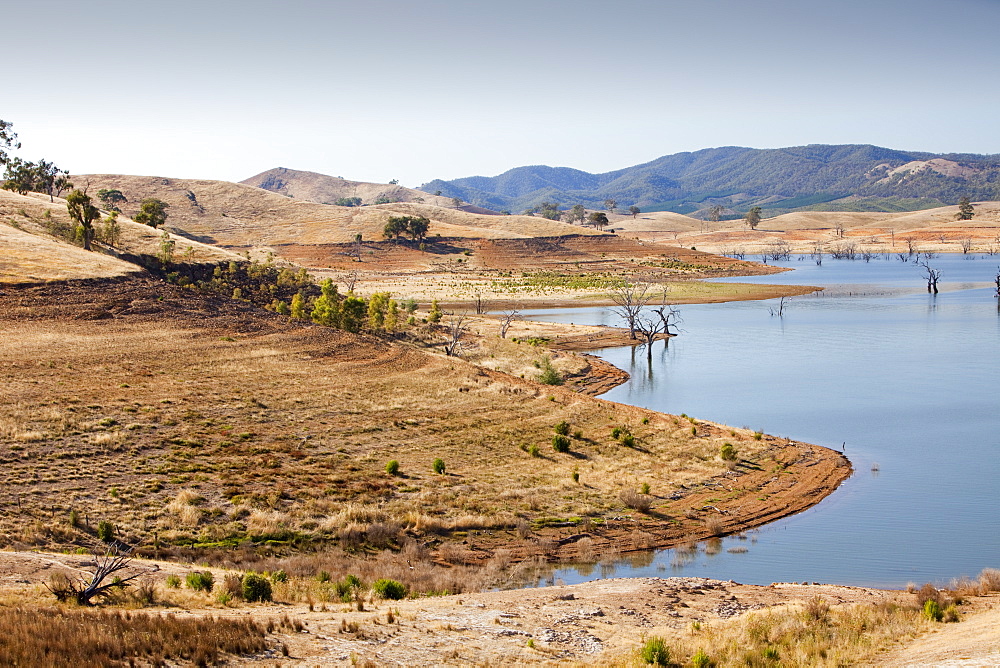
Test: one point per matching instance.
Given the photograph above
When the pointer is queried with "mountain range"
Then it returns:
(819, 177)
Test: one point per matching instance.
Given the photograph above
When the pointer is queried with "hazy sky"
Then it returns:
(380, 89)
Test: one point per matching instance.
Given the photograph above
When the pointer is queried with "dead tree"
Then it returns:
(350, 280)
(356, 248)
(932, 275)
(669, 315)
(84, 590)
(997, 279)
(629, 299)
(482, 305)
(507, 318)
(966, 244)
(650, 329)
(780, 311)
(454, 344)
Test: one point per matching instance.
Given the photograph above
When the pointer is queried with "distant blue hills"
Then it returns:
(850, 177)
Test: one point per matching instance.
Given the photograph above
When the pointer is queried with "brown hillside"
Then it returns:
(34, 252)
(324, 189)
(244, 217)
(932, 229)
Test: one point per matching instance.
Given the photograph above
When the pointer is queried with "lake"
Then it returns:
(906, 381)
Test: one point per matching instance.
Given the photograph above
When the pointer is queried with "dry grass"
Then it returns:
(65, 637)
(810, 634)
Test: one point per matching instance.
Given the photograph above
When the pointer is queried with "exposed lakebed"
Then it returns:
(907, 380)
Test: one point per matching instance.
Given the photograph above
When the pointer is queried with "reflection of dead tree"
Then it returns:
(454, 344)
(507, 318)
(82, 591)
(911, 246)
(817, 253)
(629, 298)
(932, 276)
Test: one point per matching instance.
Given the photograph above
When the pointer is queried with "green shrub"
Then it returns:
(560, 443)
(392, 467)
(628, 440)
(757, 435)
(323, 576)
(549, 375)
(645, 488)
(438, 466)
(279, 576)
(562, 428)
(173, 582)
(728, 452)
(576, 476)
(256, 588)
(932, 611)
(655, 651)
(201, 581)
(105, 531)
(701, 660)
(389, 589)
(534, 451)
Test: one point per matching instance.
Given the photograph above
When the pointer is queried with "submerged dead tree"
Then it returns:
(932, 275)
(629, 299)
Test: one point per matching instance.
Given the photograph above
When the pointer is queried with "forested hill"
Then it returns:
(817, 177)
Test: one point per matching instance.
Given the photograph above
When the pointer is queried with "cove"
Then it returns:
(907, 380)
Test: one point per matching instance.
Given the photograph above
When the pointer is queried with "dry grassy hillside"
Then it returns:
(242, 216)
(324, 189)
(932, 229)
(35, 251)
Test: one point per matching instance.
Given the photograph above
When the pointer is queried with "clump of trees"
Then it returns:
(598, 219)
(23, 176)
(152, 212)
(414, 227)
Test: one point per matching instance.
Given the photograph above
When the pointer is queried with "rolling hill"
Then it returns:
(815, 177)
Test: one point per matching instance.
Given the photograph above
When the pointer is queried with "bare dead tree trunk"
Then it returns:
(649, 329)
(84, 590)
(506, 319)
(932, 276)
(482, 305)
(629, 299)
(454, 344)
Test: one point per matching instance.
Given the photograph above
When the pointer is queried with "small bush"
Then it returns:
(645, 488)
(549, 375)
(534, 451)
(438, 466)
(201, 581)
(323, 576)
(232, 586)
(105, 531)
(389, 589)
(757, 435)
(392, 467)
(701, 660)
(173, 582)
(727, 452)
(655, 652)
(636, 501)
(932, 611)
(256, 588)
(576, 476)
(560, 443)
(628, 440)
(279, 576)
(562, 428)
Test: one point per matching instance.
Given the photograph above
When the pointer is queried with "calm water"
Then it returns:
(907, 380)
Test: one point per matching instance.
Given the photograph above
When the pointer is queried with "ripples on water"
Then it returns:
(908, 380)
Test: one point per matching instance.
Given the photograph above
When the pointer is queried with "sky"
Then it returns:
(374, 90)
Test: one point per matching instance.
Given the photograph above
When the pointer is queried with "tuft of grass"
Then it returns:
(200, 581)
(655, 652)
(636, 501)
(392, 467)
